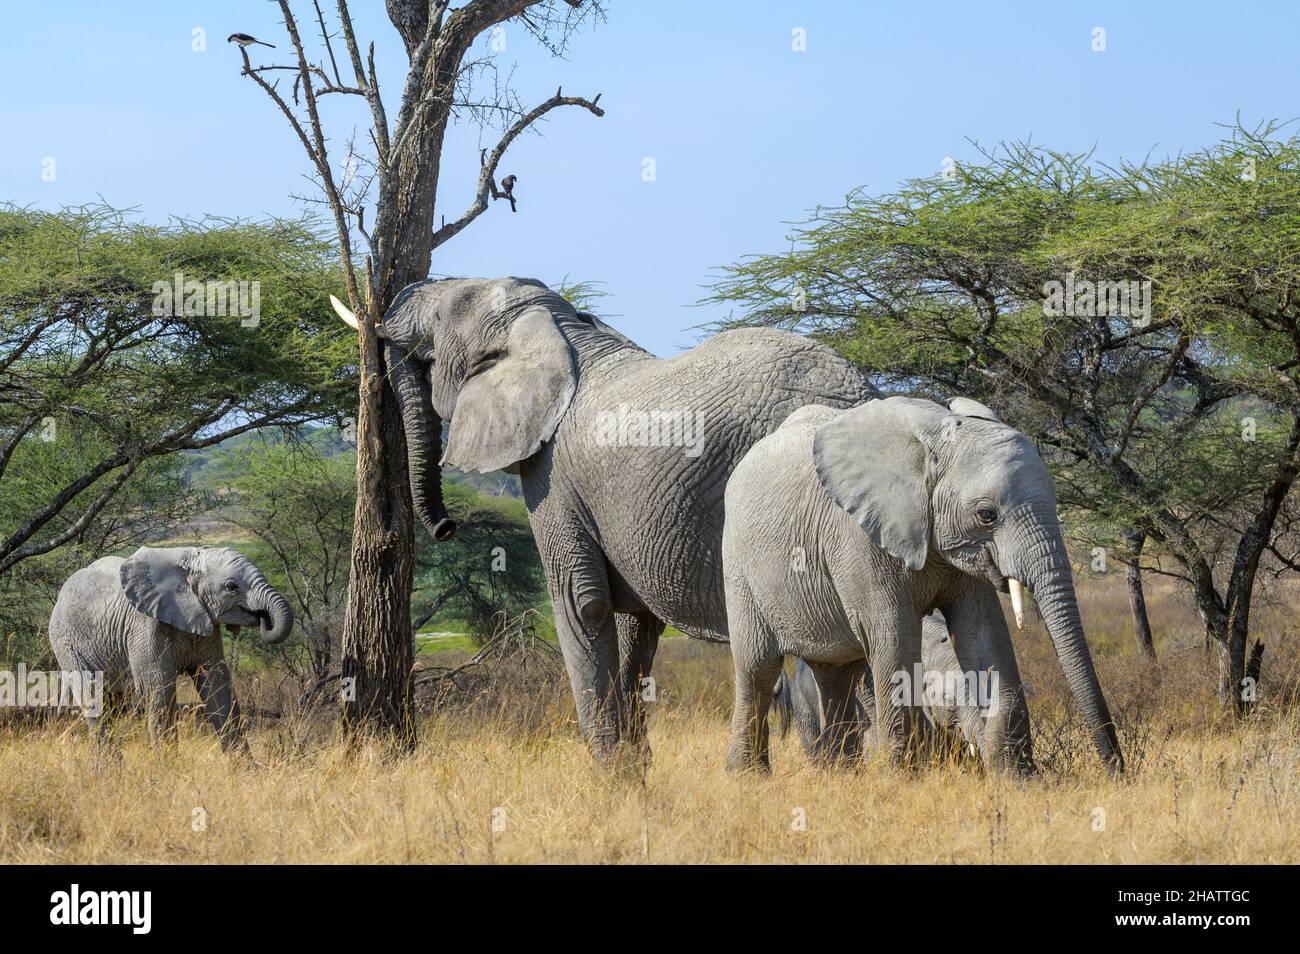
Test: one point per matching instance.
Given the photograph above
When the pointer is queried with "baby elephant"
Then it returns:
(953, 721)
(144, 620)
(845, 528)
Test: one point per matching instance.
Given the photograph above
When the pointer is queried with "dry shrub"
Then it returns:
(516, 680)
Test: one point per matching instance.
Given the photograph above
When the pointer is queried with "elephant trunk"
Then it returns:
(423, 430)
(275, 616)
(1053, 588)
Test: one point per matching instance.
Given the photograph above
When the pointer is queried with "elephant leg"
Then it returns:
(213, 682)
(998, 716)
(638, 639)
(757, 663)
(95, 727)
(584, 623)
(893, 644)
(153, 671)
(112, 705)
(160, 706)
(749, 730)
(837, 703)
(805, 710)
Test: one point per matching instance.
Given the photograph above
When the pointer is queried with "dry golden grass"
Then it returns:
(1201, 788)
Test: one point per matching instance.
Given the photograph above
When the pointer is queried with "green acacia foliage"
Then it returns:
(492, 566)
(96, 385)
(293, 505)
(1182, 421)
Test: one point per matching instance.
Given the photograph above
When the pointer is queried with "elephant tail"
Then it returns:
(783, 703)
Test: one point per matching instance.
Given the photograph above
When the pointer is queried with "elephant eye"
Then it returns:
(485, 362)
(986, 514)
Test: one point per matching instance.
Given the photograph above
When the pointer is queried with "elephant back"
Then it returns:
(91, 618)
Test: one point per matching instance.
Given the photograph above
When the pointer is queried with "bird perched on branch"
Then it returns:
(243, 39)
(508, 190)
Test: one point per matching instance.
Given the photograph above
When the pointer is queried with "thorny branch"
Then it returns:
(487, 172)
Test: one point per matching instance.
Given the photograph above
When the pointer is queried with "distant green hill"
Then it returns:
(209, 467)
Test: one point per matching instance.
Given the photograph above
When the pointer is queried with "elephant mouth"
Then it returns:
(239, 616)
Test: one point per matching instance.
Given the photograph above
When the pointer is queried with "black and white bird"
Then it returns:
(508, 190)
(243, 39)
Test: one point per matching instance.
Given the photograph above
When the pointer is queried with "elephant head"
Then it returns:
(923, 480)
(489, 355)
(195, 588)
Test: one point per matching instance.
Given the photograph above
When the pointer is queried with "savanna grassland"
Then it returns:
(500, 775)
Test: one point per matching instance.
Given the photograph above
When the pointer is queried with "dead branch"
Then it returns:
(368, 83)
(487, 171)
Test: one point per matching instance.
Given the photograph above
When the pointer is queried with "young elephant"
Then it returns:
(827, 734)
(885, 512)
(144, 620)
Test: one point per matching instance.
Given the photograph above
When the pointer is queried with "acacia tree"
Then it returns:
(1173, 413)
(103, 377)
(396, 176)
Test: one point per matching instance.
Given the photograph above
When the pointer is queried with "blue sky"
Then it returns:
(746, 133)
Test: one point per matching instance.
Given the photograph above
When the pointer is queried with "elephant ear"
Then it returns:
(505, 412)
(968, 408)
(872, 461)
(157, 583)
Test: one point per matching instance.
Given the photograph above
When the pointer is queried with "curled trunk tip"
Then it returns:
(275, 618)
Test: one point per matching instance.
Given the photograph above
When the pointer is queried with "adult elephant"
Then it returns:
(623, 456)
(156, 615)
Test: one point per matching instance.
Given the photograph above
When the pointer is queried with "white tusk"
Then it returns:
(1017, 601)
(346, 314)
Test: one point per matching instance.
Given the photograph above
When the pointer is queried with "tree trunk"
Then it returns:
(377, 658)
(1232, 672)
(378, 650)
(1239, 674)
(1137, 598)
(377, 653)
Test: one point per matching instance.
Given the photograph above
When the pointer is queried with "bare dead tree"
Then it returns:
(404, 165)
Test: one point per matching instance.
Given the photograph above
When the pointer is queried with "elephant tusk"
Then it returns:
(351, 321)
(345, 313)
(1017, 601)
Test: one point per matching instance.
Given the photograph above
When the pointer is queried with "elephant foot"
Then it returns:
(742, 760)
(604, 745)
